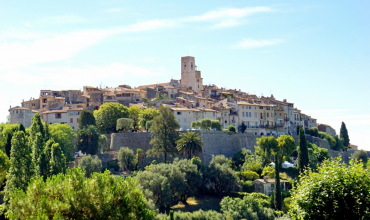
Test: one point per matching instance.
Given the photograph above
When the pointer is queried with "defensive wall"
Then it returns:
(215, 143)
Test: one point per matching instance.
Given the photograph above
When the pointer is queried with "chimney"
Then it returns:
(266, 178)
(284, 100)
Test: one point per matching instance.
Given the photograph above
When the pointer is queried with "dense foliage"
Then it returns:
(126, 159)
(134, 113)
(344, 135)
(360, 155)
(4, 166)
(72, 196)
(107, 116)
(88, 139)
(336, 191)
(189, 143)
(303, 159)
(64, 135)
(125, 124)
(164, 134)
(265, 146)
(329, 138)
(147, 115)
(86, 118)
(231, 128)
(90, 164)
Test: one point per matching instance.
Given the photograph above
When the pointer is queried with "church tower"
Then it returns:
(190, 76)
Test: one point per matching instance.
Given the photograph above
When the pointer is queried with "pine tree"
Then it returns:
(344, 135)
(303, 159)
(20, 171)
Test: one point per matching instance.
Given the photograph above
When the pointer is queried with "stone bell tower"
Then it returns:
(190, 76)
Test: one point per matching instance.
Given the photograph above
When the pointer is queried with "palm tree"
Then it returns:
(190, 142)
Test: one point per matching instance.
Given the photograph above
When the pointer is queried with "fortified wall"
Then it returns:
(215, 143)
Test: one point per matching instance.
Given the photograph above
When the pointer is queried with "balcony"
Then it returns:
(279, 124)
(286, 119)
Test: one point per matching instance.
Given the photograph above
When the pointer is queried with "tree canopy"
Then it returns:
(344, 135)
(303, 159)
(86, 118)
(107, 116)
(147, 115)
(164, 134)
(125, 124)
(90, 164)
(265, 146)
(72, 196)
(360, 155)
(189, 142)
(126, 159)
(64, 135)
(335, 191)
(134, 113)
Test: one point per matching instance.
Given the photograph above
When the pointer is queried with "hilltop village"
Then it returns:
(188, 98)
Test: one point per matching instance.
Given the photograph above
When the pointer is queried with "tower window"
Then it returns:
(191, 65)
(185, 65)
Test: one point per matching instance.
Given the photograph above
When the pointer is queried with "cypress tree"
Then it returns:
(8, 145)
(57, 162)
(86, 118)
(19, 173)
(277, 191)
(344, 135)
(303, 159)
(36, 126)
(22, 128)
(39, 163)
(46, 131)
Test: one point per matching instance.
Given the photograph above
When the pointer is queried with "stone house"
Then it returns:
(20, 115)
(185, 116)
(267, 186)
(326, 128)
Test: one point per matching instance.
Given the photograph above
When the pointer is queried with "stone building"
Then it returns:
(267, 186)
(190, 76)
(326, 128)
(20, 115)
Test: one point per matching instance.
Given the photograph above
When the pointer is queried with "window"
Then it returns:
(184, 119)
(268, 115)
(268, 108)
(243, 114)
(213, 114)
(33, 104)
(45, 100)
(261, 107)
(250, 107)
(243, 107)
(185, 128)
(225, 121)
(71, 120)
(255, 114)
(185, 66)
(58, 115)
(179, 113)
(179, 120)
(250, 114)
(195, 113)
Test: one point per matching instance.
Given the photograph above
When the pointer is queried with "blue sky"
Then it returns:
(313, 53)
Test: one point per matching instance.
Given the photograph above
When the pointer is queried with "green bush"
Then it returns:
(200, 214)
(231, 128)
(72, 196)
(247, 186)
(360, 155)
(249, 175)
(338, 190)
(113, 165)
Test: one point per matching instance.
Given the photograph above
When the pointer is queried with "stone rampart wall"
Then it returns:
(215, 143)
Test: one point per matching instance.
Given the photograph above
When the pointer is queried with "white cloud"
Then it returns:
(229, 13)
(147, 25)
(59, 47)
(250, 43)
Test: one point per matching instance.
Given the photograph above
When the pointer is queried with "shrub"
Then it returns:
(337, 190)
(269, 171)
(231, 128)
(216, 124)
(72, 196)
(249, 175)
(247, 186)
(360, 155)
